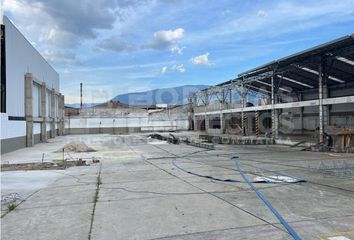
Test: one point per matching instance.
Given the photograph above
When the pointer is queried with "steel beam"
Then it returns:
(298, 104)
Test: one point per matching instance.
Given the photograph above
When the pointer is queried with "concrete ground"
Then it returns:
(141, 194)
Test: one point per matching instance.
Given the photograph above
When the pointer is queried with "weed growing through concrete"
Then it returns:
(98, 183)
(95, 200)
(11, 207)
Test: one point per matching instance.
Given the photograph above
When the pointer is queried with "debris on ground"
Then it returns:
(171, 139)
(201, 144)
(57, 165)
(10, 198)
(297, 144)
(76, 146)
(277, 179)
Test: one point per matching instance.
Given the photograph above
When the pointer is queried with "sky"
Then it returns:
(121, 46)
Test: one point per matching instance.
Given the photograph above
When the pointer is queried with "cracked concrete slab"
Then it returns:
(142, 198)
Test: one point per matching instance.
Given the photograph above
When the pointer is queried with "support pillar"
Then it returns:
(256, 122)
(301, 115)
(243, 114)
(29, 109)
(43, 112)
(52, 114)
(195, 125)
(326, 119)
(206, 123)
(222, 123)
(275, 117)
(62, 114)
(320, 97)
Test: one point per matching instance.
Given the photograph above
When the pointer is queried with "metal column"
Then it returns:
(301, 115)
(320, 97)
(275, 120)
(243, 114)
(256, 119)
(222, 123)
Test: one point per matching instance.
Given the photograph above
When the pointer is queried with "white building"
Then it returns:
(31, 105)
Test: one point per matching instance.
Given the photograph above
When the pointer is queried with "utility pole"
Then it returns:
(81, 95)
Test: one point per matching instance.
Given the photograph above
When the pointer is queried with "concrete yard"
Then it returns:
(142, 194)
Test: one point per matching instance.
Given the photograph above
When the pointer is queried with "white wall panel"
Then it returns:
(36, 100)
(36, 128)
(12, 129)
(48, 104)
(22, 57)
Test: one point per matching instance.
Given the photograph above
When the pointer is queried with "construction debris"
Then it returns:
(57, 165)
(10, 198)
(337, 168)
(171, 139)
(76, 146)
(277, 179)
(201, 144)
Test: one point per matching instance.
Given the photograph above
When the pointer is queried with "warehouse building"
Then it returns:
(306, 96)
(31, 104)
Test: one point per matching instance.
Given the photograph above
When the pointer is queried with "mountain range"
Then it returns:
(171, 96)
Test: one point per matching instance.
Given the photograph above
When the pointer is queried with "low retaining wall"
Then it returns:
(122, 125)
(237, 140)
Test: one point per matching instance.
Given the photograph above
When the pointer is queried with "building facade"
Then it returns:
(31, 104)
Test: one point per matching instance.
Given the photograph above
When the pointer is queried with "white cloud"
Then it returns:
(33, 20)
(177, 50)
(164, 69)
(55, 56)
(165, 38)
(178, 68)
(202, 60)
(67, 23)
(262, 13)
(115, 44)
(67, 71)
(92, 93)
(169, 35)
(225, 12)
(282, 17)
(175, 68)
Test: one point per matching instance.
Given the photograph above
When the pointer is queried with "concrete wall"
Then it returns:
(127, 120)
(123, 124)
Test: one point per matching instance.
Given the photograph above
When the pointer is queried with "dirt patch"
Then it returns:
(41, 166)
(76, 146)
(121, 154)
